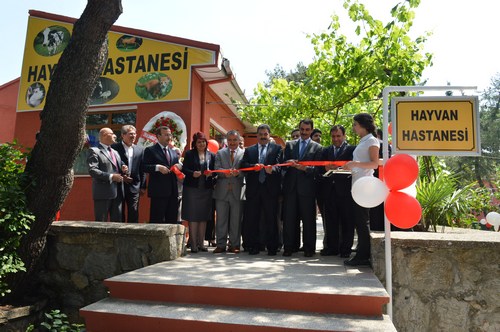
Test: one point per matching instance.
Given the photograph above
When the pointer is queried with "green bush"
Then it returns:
(56, 321)
(15, 219)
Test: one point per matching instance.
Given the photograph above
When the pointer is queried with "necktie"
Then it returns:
(262, 158)
(302, 149)
(232, 157)
(113, 158)
(336, 152)
(167, 155)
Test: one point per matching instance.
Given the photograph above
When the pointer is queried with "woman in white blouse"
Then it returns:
(365, 161)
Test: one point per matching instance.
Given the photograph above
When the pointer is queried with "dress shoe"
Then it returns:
(287, 253)
(219, 250)
(328, 252)
(194, 251)
(345, 255)
(357, 262)
(254, 251)
(308, 253)
(234, 250)
(271, 252)
(301, 249)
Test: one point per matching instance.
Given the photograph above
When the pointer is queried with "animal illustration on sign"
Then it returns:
(35, 94)
(52, 39)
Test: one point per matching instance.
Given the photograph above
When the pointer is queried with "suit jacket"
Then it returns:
(294, 179)
(100, 168)
(340, 183)
(228, 185)
(137, 174)
(192, 163)
(273, 180)
(160, 185)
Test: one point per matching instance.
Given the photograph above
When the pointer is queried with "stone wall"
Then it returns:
(447, 281)
(82, 254)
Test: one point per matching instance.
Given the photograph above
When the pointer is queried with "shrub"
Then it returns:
(15, 219)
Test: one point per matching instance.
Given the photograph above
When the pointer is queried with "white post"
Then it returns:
(385, 151)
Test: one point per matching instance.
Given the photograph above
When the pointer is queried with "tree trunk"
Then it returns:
(62, 131)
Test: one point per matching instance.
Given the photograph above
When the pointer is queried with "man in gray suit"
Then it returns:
(227, 195)
(135, 181)
(106, 169)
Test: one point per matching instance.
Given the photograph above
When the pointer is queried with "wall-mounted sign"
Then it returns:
(436, 125)
(137, 70)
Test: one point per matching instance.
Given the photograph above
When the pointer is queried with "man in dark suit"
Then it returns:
(299, 191)
(162, 186)
(106, 169)
(336, 191)
(135, 181)
(262, 193)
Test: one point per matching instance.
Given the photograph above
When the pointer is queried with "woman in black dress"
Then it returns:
(197, 190)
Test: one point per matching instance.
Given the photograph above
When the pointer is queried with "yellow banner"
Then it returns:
(137, 70)
(436, 126)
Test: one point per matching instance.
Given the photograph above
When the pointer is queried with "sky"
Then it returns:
(257, 35)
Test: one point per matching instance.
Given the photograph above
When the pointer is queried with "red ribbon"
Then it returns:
(177, 172)
(339, 163)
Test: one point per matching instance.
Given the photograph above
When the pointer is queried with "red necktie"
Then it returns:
(232, 156)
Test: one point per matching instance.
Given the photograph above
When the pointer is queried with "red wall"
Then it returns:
(8, 102)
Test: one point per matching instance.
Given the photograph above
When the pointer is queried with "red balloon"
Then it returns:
(213, 145)
(402, 210)
(400, 172)
(389, 128)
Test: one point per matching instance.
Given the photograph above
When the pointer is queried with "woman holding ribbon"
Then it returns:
(364, 162)
(197, 190)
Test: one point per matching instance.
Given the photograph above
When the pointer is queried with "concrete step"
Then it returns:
(318, 284)
(124, 315)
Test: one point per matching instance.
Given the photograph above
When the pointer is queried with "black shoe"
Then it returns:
(287, 253)
(301, 249)
(253, 251)
(345, 255)
(271, 252)
(308, 253)
(328, 252)
(357, 262)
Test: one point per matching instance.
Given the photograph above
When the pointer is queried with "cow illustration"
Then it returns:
(52, 39)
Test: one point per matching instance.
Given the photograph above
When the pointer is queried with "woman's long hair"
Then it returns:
(366, 121)
(196, 137)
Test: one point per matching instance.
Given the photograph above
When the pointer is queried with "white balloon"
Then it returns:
(482, 221)
(369, 191)
(411, 190)
(493, 218)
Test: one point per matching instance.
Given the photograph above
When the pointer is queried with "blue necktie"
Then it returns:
(262, 159)
(302, 149)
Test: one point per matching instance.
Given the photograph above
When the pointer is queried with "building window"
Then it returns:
(95, 122)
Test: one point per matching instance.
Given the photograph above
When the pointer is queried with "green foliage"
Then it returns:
(345, 77)
(56, 321)
(14, 216)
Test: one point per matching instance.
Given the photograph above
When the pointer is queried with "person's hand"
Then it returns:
(124, 169)
(116, 178)
(163, 169)
(127, 179)
(196, 174)
(269, 169)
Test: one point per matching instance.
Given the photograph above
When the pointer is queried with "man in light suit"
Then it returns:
(106, 169)
(299, 191)
(135, 181)
(262, 192)
(336, 191)
(227, 195)
(162, 186)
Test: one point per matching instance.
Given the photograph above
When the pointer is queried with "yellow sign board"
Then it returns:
(137, 70)
(436, 125)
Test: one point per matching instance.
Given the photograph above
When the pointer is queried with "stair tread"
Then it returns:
(319, 275)
(239, 316)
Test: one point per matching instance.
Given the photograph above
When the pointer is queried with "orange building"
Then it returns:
(147, 77)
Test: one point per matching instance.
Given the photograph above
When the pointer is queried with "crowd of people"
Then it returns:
(261, 198)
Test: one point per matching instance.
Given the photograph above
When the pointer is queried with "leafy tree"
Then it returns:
(297, 75)
(62, 128)
(345, 77)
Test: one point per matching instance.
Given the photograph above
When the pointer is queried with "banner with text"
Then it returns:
(436, 125)
(137, 70)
